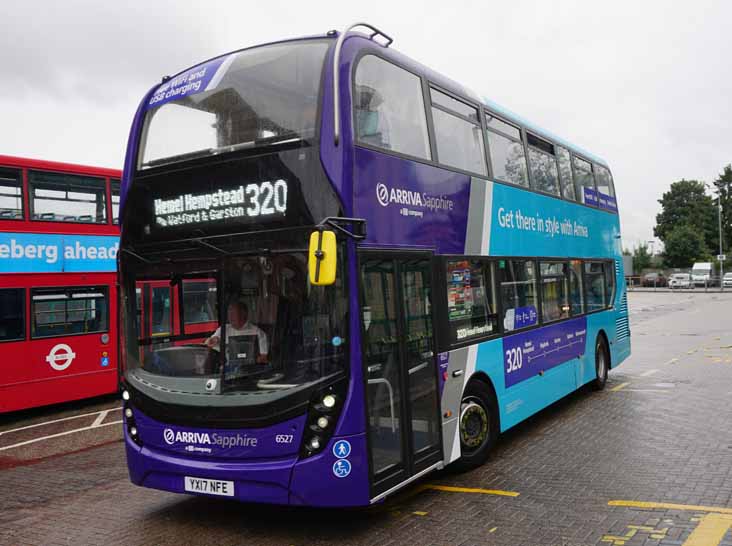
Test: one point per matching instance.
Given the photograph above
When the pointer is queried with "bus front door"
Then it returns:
(400, 367)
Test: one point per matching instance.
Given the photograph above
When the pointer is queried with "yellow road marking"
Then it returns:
(672, 361)
(621, 386)
(670, 506)
(419, 513)
(493, 530)
(452, 489)
(710, 531)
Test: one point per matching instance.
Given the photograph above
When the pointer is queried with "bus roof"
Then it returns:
(41, 164)
(504, 112)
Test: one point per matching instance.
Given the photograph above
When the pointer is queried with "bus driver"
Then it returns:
(239, 325)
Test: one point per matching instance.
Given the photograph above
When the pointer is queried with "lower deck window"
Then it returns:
(12, 314)
(68, 311)
(470, 300)
(517, 280)
(595, 289)
(554, 291)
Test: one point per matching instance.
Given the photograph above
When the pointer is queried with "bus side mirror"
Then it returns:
(322, 258)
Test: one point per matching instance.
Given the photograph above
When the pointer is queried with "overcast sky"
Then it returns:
(647, 85)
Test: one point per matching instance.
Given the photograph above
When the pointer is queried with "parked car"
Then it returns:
(701, 274)
(654, 279)
(680, 280)
(727, 280)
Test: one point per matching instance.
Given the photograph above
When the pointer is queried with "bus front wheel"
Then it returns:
(478, 424)
(602, 364)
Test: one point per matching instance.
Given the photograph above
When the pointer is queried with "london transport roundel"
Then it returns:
(60, 357)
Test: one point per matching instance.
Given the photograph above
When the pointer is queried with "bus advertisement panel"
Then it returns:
(477, 278)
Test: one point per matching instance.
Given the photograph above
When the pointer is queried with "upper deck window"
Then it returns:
(585, 181)
(457, 133)
(604, 181)
(389, 108)
(565, 174)
(543, 165)
(11, 195)
(115, 200)
(257, 97)
(507, 151)
(67, 197)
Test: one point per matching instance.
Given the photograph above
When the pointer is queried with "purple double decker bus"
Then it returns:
(393, 271)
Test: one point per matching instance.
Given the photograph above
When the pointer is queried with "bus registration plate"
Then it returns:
(209, 487)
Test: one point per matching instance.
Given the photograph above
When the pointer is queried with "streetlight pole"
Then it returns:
(721, 262)
(719, 257)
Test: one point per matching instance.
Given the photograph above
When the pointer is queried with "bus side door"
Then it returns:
(400, 364)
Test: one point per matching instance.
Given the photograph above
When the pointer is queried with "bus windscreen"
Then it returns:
(252, 98)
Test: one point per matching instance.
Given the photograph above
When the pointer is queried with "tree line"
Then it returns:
(688, 223)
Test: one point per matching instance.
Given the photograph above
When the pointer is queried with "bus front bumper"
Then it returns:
(288, 480)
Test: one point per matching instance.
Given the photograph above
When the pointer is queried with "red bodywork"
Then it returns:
(26, 377)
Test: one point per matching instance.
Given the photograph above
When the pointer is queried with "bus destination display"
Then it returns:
(261, 201)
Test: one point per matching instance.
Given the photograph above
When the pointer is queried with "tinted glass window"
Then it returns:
(115, 200)
(594, 286)
(255, 97)
(508, 159)
(554, 291)
(517, 280)
(499, 125)
(609, 284)
(584, 181)
(67, 197)
(565, 174)
(576, 297)
(389, 108)
(199, 301)
(471, 307)
(459, 142)
(544, 172)
(160, 311)
(11, 194)
(604, 181)
(12, 314)
(459, 107)
(68, 311)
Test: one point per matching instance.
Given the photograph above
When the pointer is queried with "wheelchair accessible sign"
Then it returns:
(342, 466)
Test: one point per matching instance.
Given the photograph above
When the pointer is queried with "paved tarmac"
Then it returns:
(648, 461)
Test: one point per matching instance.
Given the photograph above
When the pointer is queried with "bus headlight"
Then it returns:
(325, 406)
(323, 422)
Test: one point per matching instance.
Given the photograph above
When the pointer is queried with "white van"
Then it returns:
(701, 273)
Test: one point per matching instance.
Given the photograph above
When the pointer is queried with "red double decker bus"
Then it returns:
(59, 237)
(58, 297)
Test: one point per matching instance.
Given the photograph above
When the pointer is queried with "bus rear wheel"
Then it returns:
(478, 426)
(602, 364)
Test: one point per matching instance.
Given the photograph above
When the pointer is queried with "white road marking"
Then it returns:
(57, 435)
(100, 418)
(648, 373)
(57, 420)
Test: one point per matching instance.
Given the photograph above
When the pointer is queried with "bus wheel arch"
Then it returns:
(478, 422)
(603, 360)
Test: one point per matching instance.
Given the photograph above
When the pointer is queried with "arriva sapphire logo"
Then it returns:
(226, 441)
(382, 194)
(409, 198)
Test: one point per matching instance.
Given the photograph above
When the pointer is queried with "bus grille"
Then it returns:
(622, 325)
